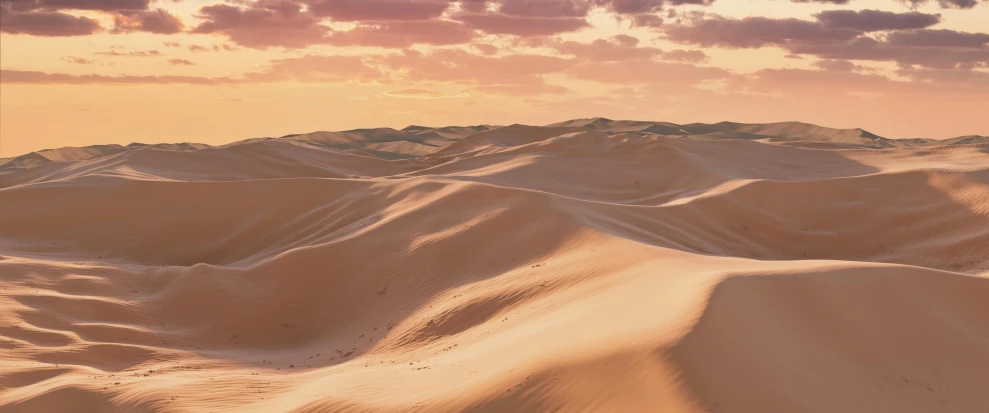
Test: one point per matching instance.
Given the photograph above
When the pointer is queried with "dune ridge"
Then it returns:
(587, 266)
(415, 141)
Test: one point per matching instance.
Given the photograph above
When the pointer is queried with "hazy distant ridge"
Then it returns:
(414, 141)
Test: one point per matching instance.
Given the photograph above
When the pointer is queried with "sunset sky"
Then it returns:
(82, 72)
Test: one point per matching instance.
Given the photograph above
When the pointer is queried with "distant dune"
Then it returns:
(415, 141)
(586, 266)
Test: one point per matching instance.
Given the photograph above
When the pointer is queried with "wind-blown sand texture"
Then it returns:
(586, 266)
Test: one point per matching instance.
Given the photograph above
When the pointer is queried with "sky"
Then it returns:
(84, 72)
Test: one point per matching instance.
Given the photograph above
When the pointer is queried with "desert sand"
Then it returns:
(587, 266)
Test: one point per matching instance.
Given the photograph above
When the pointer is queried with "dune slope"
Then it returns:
(590, 266)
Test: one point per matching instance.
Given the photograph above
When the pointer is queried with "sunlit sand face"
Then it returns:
(591, 264)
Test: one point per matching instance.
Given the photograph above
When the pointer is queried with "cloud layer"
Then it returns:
(650, 51)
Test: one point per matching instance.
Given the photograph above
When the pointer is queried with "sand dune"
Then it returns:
(587, 266)
(416, 141)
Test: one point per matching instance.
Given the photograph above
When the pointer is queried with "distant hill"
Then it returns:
(732, 130)
(416, 141)
(388, 143)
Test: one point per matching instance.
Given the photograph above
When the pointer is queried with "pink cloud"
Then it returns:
(137, 53)
(44, 23)
(261, 25)
(647, 72)
(522, 25)
(512, 74)
(378, 10)
(618, 48)
(34, 77)
(486, 49)
(97, 5)
(400, 34)
(313, 68)
(78, 60)
(621, 48)
(152, 21)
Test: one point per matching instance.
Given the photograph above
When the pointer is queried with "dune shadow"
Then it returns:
(313, 306)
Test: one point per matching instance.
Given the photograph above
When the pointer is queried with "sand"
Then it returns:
(587, 266)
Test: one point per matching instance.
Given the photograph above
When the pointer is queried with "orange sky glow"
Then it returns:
(83, 72)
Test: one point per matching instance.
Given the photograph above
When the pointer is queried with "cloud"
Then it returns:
(329, 69)
(47, 17)
(459, 65)
(831, 26)
(843, 82)
(152, 21)
(646, 13)
(313, 68)
(34, 77)
(545, 8)
(512, 74)
(646, 6)
(836, 43)
(876, 20)
(907, 51)
(213, 48)
(634, 6)
(839, 66)
(618, 48)
(938, 38)
(401, 34)
(821, 1)
(945, 4)
(141, 53)
(843, 36)
(944, 85)
(94, 5)
(686, 56)
(790, 81)
(523, 89)
(414, 93)
(965, 78)
(45, 23)
(484, 48)
(755, 32)
(78, 60)
(645, 20)
(262, 25)
(551, 17)
(647, 72)
(625, 40)
(496, 23)
(378, 10)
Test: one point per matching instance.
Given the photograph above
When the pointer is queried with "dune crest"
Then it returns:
(587, 266)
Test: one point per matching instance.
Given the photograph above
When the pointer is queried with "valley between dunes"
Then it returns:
(587, 266)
